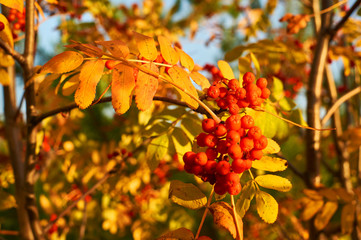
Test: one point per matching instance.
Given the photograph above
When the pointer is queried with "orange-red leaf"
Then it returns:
(90, 74)
(185, 59)
(123, 84)
(168, 52)
(146, 46)
(6, 34)
(145, 88)
(17, 4)
(63, 62)
(116, 47)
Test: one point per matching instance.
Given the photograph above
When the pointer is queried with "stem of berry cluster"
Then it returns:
(235, 218)
(204, 214)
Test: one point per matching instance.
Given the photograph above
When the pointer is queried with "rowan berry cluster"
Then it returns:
(231, 146)
(17, 19)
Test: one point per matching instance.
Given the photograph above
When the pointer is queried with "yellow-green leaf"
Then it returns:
(123, 84)
(181, 79)
(226, 70)
(168, 52)
(90, 75)
(200, 80)
(157, 148)
(6, 34)
(348, 218)
(116, 47)
(63, 62)
(223, 217)
(17, 4)
(181, 142)
(146, 87)
(4, 77)
(186, 195)
(185, 59)
(274, 182)
(311, 208)
(267, 207)
(272, 147)
(271, 164)
(146, 46)
(179, 234)
(244, 201)
(71, 85)
(324, 216)
(6, 201)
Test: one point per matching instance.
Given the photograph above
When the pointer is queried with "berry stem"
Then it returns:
(235, 218)
(204, 214)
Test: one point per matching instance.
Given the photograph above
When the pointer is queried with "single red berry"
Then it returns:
(211, 140)
(233, 137)
(247, 122)
(220, 130)
(233, 108)
(197, 170)
(231, 98)
(213, 92)
(2, 26)
(188, 168)
(248, 77)
(208, 125)
(241, 93)
(243, 103)
(188, 158)
(123, 151)
(201, 159)
(247, 144)
(256, 154)
(233, 122)
(11, 17)
(110, 64)
(212, 153)
(235, 189)
(254, 132)
(222, 103)
(235, 151)
(220, 188)
(262, 83)
(19, 15)
(210, 167)
(247, 164)
(201, 139)
(223, 92)
(223, 167)
(238, 165)
(265, 93)
(261, 143)
(233, 84)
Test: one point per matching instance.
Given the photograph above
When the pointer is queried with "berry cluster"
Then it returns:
(231, 146)
(17, 19)
(216, 73)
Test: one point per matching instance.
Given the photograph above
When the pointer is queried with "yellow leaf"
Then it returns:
(226, 70)
(17, 4)
(311, 208)
(46, 204)
(168, 52)
(272, 147)
(186, 195)
(255, 63)
(271, 164)
(324, 216)
(348, 218)
(180, 234)
(5, 59)
(7, 201)
(223, 217)
(244, 200)
(274, 182)
(123, 84)
(4, 77)
(267, 207)
(116, 47)
(180, 78)
(71, 85)
(6, 34)
(146, 87)
(63, 62)
(90, 74)
(146, 46)
(185, 59)
(200, 79)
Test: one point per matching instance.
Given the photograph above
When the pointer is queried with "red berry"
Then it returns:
(222, 103)
(243, 103)
(254, 132)
(213, 92)
(233, 122)
(247, 144)
(235, 151)
(201, 159)
(2, 26)
(233, 108)
(241, 93)
(233, 84)
(247, 122)
(220, 130)
(265, 93)
(212, 153)
(208, 125)
(11, 17)
(110, 64)
(235, 189)
(231, 98)
(220, 188)
(223, 167)
(223, 92)
(188, 168)
(210, 167)
(261, 143)
(204, 238)
(201, 139)
(17, 26)
(188, 158)
(248, 77)
(247, 164)
(262, 83)
(197, 170)
(238, 165)
(210, 140)
(256, 154)
(233, 137)
(222, 146)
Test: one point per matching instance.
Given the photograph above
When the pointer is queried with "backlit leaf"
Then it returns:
(181, 142)
(226, 70)
(324, 216)
(123, 84)
(277, 89)
(168, 52)
(116, 47)
(255, 63)
(274, 182)
(200, 79)
(244, 200)
(63, 62)
(6, 34)
(71, 85)
(311, 208)
(180, 234)
(157, 148)
(185, 59)
(7, 201)
(17, 4)
(348, 218)
(223, 217)
(87, 49)
(5, 59)
(146, 87)
(146, 46)
(181, 79)
(271, 164)
(234, 53)
(272, 147)
(244, 65)
(267, 207)
(4, 77)
(90, 74)
(186, 195)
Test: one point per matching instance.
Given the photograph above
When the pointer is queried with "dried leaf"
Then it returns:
(200, 80)
(324, 216)
(116, 47)
(348, 218)
(311, 208)
(344, 195)
(168, 52)
(267, 207)
(329, 193)
(123, 84)
(244, 201)
(4, 77)
(146, 46)
(63, 62)
(271, 164)
(274, 182)
(226, 70)
(180, 234)
(185, 59)
(146, 87)
(6, 34)
(90, 75)
(17, 4)
(186, 195)
(223, 217)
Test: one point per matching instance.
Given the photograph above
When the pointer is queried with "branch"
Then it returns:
(296, 171)
(204, 214)
(235, 218)
(9, 50)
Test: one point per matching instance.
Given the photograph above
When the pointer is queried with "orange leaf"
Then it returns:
(116, 47)
(200, 80)
(168, 52)
(145, 88)
(90, 74)
(63, 62)
(122, 86)
(6, 34)
(146, 46)
(17, 4)
(185, 59)
(181, 79)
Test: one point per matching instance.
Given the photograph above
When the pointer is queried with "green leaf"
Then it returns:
(274, 182)
(324, 216)
(297, 117)
(245, 198)
(7, 201)
(156, 128)
(157, 148)
(191, 127)
(286, 104)
(186, 195)
(234, 53)
(267, 207)
(271, 164)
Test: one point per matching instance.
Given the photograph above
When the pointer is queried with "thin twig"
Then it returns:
(9, 50)
(204, 214)
(19, 108)
(235, 218)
